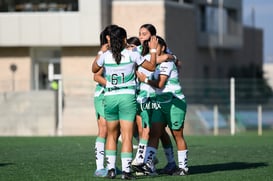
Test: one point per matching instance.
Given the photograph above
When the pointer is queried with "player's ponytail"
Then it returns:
(117, 41)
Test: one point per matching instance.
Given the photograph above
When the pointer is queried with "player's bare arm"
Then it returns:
(95, 67)
(159, 83)
(99, 78)
(150, 65)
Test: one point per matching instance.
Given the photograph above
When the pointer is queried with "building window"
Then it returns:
(232, 22)
(38, 5)
(210, 19)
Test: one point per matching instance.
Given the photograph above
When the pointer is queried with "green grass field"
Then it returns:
(239, 157)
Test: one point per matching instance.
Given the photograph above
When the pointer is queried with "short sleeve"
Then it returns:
(137, 58)
(165, 68)
(100, 61)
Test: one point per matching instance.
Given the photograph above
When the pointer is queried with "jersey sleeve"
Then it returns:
(165, 68)
(136, 57)
(100, 61)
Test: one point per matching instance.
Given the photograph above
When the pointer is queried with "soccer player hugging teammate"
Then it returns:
(145, 97)
(99, 106)
(172, 110)
(118, 65)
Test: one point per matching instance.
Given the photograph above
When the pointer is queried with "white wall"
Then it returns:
(132, 14)
(53, 28)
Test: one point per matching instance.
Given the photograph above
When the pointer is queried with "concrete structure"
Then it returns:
(34, 40)
(205, 51)
(68, 41)
(28, 113)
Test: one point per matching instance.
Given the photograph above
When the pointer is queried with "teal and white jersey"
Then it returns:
(139, 48)
(121, 77)
(172, 85)
(145, 90)
(98, 90)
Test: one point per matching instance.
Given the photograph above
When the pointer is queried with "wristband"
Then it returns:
(100, 52)
(146, 80)
(152, 50)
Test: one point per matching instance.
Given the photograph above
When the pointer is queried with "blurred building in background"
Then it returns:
(36, 33)
(42, 40)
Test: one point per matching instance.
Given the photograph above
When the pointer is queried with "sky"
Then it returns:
(263, 13)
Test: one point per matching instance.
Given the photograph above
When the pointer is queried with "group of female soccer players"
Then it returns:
(138, 87)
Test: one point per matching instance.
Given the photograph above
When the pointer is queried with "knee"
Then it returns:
(178, 134)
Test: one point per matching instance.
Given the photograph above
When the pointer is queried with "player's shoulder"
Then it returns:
(132, 52)
(167, 63)
(147, 56)
(107, 53)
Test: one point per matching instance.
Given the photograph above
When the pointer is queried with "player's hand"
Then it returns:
(153, 42)
(141, 77)
(104, 47)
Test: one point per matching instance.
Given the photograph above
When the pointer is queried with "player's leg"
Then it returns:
(127, 114)
(101, 137)
(169, 153)
(166, 141)
(151, 151)
(111, 104)
(137, 128)
(178, 112)
(141, 150)
(157, 126)
(127, 128)
(182, 152)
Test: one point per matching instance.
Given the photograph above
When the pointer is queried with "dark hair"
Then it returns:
(145, 45)
(107, 31)
(146, 49)
(162, 42)
(133, 40)
(117, 37)
(150, 28)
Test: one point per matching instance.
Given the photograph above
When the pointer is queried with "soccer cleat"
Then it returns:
(101, 172)
(111, 173)
(181, 171)
(137, 167)
(127, 176)
(140, 173)
(149, 169)
(169, 169)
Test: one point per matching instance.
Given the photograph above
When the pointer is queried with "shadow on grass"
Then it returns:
(5, 164)
(224, 167)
